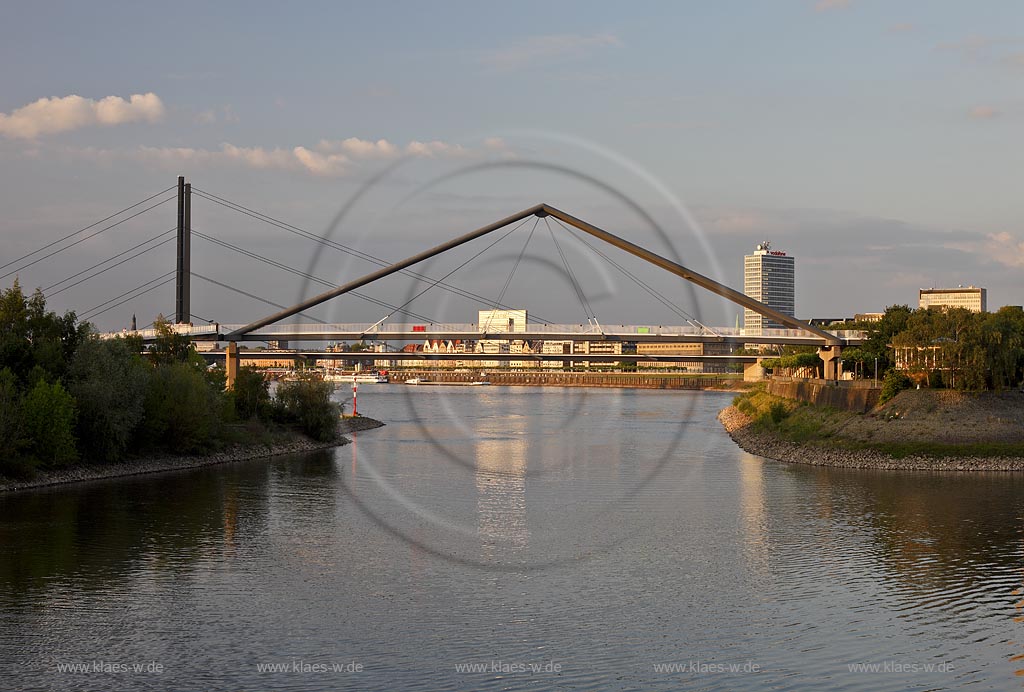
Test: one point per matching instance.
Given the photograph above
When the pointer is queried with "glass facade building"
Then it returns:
(971, 297)
(770, 277)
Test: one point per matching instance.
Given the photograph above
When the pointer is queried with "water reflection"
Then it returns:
(726, 556)
(501, 494)
(755, 515)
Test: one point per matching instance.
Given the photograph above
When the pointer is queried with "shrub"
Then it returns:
(777, 412)
(307, 403)
(251, 394)
(109, 380)
(48, 412)
(894, 383)
(12, 429)
(182, 412)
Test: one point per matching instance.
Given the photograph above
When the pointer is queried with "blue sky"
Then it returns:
(878, 141)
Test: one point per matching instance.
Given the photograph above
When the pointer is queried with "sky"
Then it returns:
(877, 141)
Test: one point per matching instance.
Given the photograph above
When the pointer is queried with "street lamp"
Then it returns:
(876, 372)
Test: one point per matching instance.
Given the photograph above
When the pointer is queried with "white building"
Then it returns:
(770, 277)
(501, 321)
(970, 297)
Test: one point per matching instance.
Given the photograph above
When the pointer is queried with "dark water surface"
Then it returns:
(555, 538)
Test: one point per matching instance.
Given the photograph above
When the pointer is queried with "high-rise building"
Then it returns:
(768, 276)
(970, 297)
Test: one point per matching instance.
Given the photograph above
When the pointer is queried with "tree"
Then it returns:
(251, 393)
(12, 432)
(108, 379)
(182, 411)
(34, 342)
(169, 347)
(894, 383)
(881, 333)
(48, 413)
(307, 403)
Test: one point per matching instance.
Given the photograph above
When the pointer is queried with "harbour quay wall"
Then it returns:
(859, 396)
(572, 379)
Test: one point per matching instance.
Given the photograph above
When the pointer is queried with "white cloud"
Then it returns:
(982, 112)
(434, 148)
(549, 47)
(60, 114)
(360, 148)
(826, 5)
(326, 158)
(320, 163)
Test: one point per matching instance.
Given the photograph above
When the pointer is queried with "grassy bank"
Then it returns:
(916, 423)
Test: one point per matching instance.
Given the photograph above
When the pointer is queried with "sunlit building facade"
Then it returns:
(770, 277)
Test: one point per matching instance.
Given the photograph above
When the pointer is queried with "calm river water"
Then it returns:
(495, 538)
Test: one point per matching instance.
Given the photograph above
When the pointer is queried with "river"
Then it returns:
(494, 538)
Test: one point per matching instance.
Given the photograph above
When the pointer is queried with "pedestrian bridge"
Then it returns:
(534, 332)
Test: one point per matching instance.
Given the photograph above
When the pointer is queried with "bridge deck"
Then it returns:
(535, 332)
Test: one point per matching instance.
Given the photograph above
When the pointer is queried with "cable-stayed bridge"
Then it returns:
(285, 324)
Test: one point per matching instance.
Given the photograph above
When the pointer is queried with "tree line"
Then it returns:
(67, 396)
(934, 347)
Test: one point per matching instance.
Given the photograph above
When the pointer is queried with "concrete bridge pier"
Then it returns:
(231, 362)
(831, 355)
(753, 372)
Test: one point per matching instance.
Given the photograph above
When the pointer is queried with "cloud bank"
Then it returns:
(61, 114)
(326, 158)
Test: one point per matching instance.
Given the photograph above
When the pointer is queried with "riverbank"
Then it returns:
(933, 430)
(144, 465)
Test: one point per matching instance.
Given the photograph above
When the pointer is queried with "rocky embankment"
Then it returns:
(948, 418)
(134, 467)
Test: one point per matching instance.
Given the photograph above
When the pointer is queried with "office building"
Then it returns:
(768, 276)
(970, 297)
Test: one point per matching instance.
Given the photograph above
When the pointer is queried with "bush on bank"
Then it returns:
(67, 396)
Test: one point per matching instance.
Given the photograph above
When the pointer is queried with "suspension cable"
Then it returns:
(654, 293)
(118, 264)
(327, 242)
(91, 312)
(438, 281)
(248, 295)
(311, 277)
(515, 266)
(83, 239)
(589, 314)
(82, 230)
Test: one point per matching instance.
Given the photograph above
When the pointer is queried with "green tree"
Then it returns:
(48, 413)
(182, 412)
(251, 393)
(33, 341)
(169, 346)
(307, 403)
(12, 429)
(109, 380)
(894, 383)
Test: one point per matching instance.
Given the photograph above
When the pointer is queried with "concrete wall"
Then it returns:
(569, 379)
(847, 396)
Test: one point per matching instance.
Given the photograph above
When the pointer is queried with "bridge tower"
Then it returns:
(183, 267)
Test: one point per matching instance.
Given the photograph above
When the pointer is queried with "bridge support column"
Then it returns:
(231, 364)
(833, 363)
(753, 372)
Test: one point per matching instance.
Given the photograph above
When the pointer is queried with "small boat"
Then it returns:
(479, 383)
(361, 378)
(371, 377)
(415, 380)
